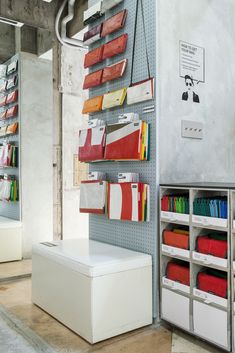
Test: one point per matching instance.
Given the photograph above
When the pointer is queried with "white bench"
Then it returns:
(97, 290)
(10, 239)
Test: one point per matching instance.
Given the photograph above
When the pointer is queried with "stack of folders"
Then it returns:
(8, 188)
(175, 203)
(93, 194)
(129, 202)
(127, 141)
(211, 207)
(8, 155)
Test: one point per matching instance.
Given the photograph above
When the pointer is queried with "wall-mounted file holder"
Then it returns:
(115, 142)
(129, 202)
(93, 194)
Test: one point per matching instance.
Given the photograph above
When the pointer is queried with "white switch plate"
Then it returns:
(191, 129)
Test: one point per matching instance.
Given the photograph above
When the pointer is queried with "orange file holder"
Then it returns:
(92, 105)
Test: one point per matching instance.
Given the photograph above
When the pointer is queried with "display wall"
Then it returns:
(210, 25)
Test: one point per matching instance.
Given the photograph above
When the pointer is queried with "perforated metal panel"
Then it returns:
(132, 235)
(11, 209)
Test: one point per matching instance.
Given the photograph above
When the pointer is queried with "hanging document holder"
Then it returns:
(114, 71)
(92, 105)
(115, 47)
(114, 23)
(93, 196)
(114, 99)
(91, 144)
(143, 90)
(93, 57)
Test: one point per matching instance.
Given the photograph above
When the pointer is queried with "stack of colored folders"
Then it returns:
(208, 207)
(175, 203)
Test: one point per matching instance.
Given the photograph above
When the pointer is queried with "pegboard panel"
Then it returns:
(11, 209)
(132, 235)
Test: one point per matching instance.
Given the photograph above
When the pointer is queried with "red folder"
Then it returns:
(11, 112)
(12, 97)
(3, 101)
(115, 47)
(115, 71)
(94, 57)
(114, 23)
(123, 141)
(91, 144)
(125, 201)
(93, 79)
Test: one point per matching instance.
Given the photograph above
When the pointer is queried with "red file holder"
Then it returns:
(115, 71)
(12, 97)
(91, 144)
(11, 112)
(94, 57)
(176, 239)
(213, 284)
(114, 23)
(115, 47)
(93, 79)
(207, 245)
(178, 272)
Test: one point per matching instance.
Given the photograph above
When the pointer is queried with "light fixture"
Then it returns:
(11, 22)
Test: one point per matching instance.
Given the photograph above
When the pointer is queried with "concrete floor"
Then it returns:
(16, 297)
(15, 269)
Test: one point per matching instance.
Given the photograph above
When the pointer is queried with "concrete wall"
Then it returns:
(75, 224)
(7, 42)
(36, 110)
(209, 24)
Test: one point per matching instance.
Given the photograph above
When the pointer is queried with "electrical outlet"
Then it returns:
(191, 129)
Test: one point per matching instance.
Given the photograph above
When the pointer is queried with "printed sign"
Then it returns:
(192, 61)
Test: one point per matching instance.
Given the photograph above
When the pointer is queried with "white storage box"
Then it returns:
(175, 308)
(210, 323)
(97, 290)
(10, 240)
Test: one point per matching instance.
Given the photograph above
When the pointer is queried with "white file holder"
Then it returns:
(171, 250)
(210, 221)
(175, 285)
(210, 298)
(174, 217)
(209, 259)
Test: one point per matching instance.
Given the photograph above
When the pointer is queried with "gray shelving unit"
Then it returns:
(201, 314)
(232, 263)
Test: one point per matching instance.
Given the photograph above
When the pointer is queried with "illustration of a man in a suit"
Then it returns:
(190, 94)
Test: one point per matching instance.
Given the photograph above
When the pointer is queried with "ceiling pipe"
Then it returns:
(63, 39)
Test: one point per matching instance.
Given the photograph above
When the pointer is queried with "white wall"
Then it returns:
(36, 113)
(209, 24)
(75, 224)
